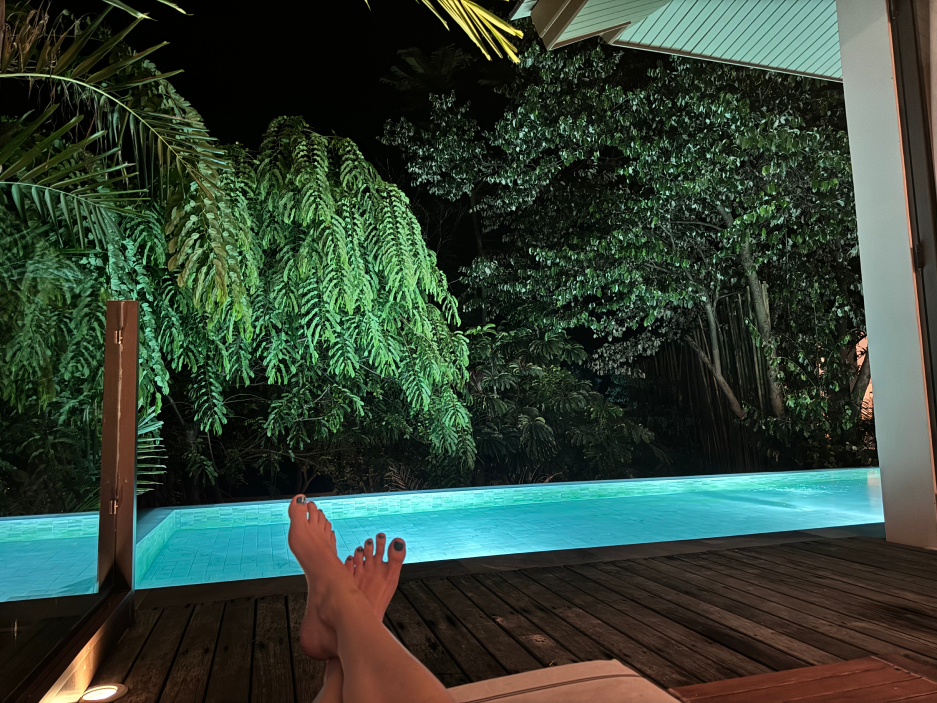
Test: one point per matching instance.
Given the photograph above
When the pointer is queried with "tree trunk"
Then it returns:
(861, 386)
(713, 336)
(720, 379)
(762, 318)
(479, 250)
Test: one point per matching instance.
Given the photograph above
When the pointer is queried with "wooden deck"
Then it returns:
(680, 620)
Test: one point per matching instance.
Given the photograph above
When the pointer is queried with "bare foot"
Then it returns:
(313, 544)
(373, 576)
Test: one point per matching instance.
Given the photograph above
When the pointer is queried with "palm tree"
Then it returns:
(143, 141)
(481, 26)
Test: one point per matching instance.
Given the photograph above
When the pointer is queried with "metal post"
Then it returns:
(118, 516)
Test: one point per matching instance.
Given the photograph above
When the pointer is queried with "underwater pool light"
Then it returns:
(104, 692)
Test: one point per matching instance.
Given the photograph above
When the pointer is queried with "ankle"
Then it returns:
(333, 668)
(342, 603)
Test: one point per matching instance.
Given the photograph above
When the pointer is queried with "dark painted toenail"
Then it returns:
(359, 549)
(300, 499)
(398, 545)
(380, 535)
(367, 541)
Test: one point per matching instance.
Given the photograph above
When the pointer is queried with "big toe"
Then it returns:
(297, 509)
(396, 553)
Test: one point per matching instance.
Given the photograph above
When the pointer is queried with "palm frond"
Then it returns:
(480, 25)
(132, 109)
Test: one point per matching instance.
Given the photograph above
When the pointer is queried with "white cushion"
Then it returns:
(595, 682)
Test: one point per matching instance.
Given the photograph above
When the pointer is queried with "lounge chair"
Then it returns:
(585, 682)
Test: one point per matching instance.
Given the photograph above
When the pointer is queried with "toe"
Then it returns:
(324, 521)
(380, 539)
(359, 557)
(297, 509)
(350, 564)
(368, 549)
(397, 552)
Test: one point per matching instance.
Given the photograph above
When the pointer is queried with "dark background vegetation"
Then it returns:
(243, 67)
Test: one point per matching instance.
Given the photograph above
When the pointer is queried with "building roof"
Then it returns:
(794, 36)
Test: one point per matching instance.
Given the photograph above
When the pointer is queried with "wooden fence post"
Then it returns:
(118, 521)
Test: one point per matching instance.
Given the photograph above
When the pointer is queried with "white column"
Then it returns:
(888, 277)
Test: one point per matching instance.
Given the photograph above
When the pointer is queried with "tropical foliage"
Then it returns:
(295, 324)
(535, 420)
(283, 292)
(634, 210)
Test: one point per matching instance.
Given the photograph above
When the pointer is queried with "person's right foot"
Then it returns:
(373, 576)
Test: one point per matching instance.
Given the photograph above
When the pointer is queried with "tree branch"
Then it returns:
(720, 380)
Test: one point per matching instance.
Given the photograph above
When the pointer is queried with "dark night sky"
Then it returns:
(321, 60)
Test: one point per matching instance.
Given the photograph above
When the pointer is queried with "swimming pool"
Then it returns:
(45, 556)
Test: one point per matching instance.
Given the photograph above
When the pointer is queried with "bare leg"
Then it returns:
(376, 667)
(377, 579)
(331, 691)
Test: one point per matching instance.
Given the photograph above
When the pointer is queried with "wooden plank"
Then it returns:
(272, 673)
(738, 664)
(759, 683)
(818, 572)
(741, 603)
(873, 570)
(220, 591)
(925, 670)
(929, 698)
(862, 687)
(188, 677)
(229, 681)
(471, 657)
(577, 590)
(821, 619)
(868, 569)
(512, 657)
(862, 681)
(630, 652)
(148, 673)
(836, 556)
(918, 558)
(116, 667)
(648, 594)
(308, 674)
(572, 639)
(873, 605)
(417, 637)
(880, 608)
(544, 648)
(926, 558)
(909, 691)
(861, 617)
(793, 648)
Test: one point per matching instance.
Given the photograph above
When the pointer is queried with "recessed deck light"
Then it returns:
(104, 692)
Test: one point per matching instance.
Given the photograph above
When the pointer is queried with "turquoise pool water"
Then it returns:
(40, 557)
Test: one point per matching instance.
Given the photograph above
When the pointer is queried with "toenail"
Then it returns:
(367, 541)
(359, 549)
(380, 535)
(398, 545)
(300, 499)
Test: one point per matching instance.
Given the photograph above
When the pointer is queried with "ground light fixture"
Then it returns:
(104, 692)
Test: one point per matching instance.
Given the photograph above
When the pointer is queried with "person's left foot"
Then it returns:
(312, 541)
(373, 576)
